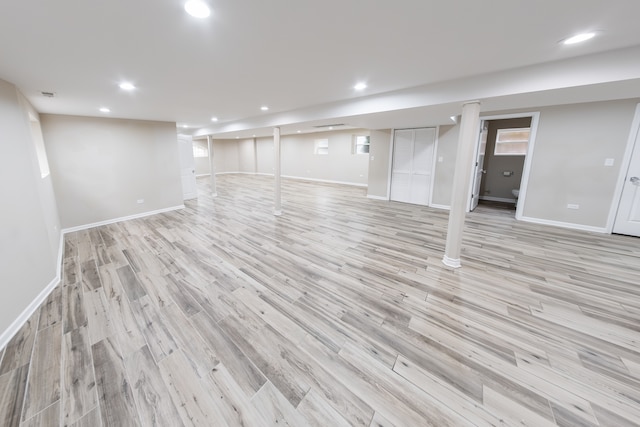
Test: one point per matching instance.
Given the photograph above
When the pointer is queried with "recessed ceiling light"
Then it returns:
(360, 86)
(579, 38)
(330, 127)
(237, 137)
(254, 135)
(197, 8)
(127, 86)
(299, 131)
(105, 110)
(185, 126)
(264, 108)
(214, 119)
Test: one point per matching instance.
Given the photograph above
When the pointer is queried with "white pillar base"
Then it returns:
(451, 262)
(277, 213)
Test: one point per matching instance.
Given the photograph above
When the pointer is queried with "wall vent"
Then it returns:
(48, 94)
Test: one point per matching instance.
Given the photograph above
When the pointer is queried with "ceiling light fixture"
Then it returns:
(214, 119)
(579, 38)
(197, 8)
(127, 86)
(105, 110)
(360, 86)
(299, 131)
(264, 108)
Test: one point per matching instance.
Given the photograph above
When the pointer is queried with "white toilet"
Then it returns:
(516, 193)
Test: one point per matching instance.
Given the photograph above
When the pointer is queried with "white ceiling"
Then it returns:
(302, 58)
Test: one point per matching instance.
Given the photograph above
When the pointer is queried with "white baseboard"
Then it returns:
(497, 199)
(299, 178)
(123, 218)
(445, 207)
(27, 313)
(565, 225)
(328, 181)
(15, 326)
(371, 196)
(203, 175)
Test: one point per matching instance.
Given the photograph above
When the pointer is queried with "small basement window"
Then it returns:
(512, 142)
(321, 146)
(200, 150)
(361, 144)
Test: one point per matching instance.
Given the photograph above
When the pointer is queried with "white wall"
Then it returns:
(30, 228)
(101, 167)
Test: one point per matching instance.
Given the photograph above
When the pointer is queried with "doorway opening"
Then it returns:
(501, 170)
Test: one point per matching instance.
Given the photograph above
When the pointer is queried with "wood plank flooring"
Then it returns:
(337, 313)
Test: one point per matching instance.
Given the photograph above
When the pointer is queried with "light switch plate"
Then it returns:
(608, 162)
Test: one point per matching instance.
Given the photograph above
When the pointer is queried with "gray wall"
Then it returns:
(379, 152)
(571, 146)
(567, 166)
(201, 163)
(297, 156)
(445, 164)
(101, 167)
(494, 183)
(30, 228)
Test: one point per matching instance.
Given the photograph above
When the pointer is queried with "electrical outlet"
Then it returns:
(140, 201)
(572, 206)
(440, 159)
(608, 162)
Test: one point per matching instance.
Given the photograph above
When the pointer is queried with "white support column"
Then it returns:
(467, 140)
(276, 152)
(212, 169)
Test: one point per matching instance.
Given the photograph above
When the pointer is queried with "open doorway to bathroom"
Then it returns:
(501, 167)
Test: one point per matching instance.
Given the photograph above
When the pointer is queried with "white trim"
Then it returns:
(497, 199)
(370, 196)
(60, 257)
(564, 224)
(451, 262)
(329, 181)
(526, 169)
(433, 166)
(232, 172)
(535, 119)
(27, 313)
(120, 219)
(445, 207)
(389, 170)
(625, 163)
(203, 174)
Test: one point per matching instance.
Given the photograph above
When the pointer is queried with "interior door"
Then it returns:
(628, 217)
(412, 165)
(478, 169)
(187, 167)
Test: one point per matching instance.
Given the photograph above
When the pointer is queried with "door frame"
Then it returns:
(535, 119)
(625, 163)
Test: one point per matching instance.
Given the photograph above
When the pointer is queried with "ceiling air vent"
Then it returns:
(48, 94)
(329, 126)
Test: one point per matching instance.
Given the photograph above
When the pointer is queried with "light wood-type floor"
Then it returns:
(337, 313)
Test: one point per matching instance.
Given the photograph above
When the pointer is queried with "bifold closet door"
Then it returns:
(412, 166)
